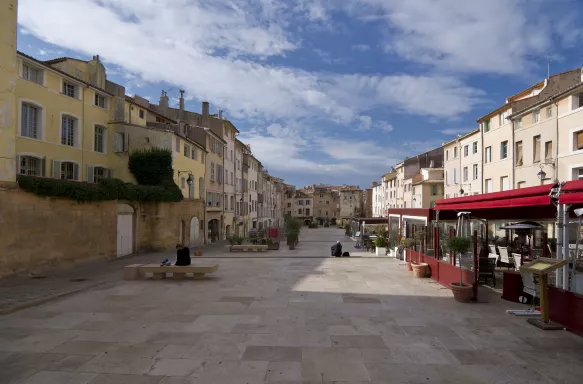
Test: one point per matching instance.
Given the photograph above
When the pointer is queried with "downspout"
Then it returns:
(556, 139)
(560, 231)
(565, 269)
(512, 159)
(482, 188)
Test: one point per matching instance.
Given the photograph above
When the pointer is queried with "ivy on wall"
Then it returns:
(151, 168)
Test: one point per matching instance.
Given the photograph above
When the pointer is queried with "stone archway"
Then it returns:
(194, 231)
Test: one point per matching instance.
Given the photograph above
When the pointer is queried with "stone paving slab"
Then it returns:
(261, 320)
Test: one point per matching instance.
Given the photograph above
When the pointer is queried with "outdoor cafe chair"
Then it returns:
(492, 249)
(517, 257)
(530, 284)
(504, 258)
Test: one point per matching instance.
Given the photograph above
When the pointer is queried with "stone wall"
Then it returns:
(42, 231)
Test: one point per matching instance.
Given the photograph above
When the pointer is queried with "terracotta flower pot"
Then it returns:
(409, 266)
(419, 270)
(462, 292)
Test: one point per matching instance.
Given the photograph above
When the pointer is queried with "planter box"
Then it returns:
(381, 251)
(273, 246)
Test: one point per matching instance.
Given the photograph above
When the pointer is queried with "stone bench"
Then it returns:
(135, 271)
(249, 248)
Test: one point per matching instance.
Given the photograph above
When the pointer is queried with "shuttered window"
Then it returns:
(518, 149)
(536, 149)
(30, 119)
(579, 141)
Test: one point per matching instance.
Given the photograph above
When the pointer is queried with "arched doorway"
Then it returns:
(213, 230)
(125, 230)
(194, 231)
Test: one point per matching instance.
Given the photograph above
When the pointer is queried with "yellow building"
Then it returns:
(62, 119)
(8, 78)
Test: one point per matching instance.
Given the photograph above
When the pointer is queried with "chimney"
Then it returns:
(181, 106)
(205, 110)
(164, 103)
(220, 114)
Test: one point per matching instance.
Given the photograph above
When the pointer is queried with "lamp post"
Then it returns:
(189, 181)
(542, 174)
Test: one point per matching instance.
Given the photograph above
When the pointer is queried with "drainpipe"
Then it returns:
(482, 187)
(512, 159)
(558, 273)
(557, 139)
(565, 269)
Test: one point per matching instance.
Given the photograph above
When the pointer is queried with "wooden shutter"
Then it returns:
(580, 140)
(56, 169)
(126, 142)
(115, 142)
(75, 171)
(89, 174)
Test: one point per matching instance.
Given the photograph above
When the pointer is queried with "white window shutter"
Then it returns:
(115, 142)
(126, 142)
(89, 174)
(43, 167)
(75, 171)
(56, 169)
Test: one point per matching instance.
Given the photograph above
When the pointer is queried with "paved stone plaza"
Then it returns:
(301, 318)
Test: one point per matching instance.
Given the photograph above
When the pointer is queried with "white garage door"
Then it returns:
(124, 235)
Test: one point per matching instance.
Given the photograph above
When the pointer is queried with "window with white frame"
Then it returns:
(536, 116)
(549, 112)
(212, 171)
(488, 155)
(99, 139)
(455, 152)
(577, 140)
(486, 125)
(69, 170)
(100, 174)
(69, 134)
(447, 155)
(30, 166)
(488, 186)
(455, 180)
(474, 147)
(30, 121)
(518, 123)
(69, 89)
(503, 150)
(33, 74)
(577, 100)
(466, 174)
(466, 150)
(504, 185)
(548, 150)
(475, 171)
(577, 174)
(100, 100)
(186, 150)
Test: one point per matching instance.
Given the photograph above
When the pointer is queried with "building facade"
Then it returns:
(351, 202)
(463, 165)
(229, 136)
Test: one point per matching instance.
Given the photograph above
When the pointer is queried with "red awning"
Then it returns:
(572, 192)
(571, 198)
(525, 197)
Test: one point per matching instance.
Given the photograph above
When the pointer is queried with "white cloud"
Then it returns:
(494, 36)
(164, 40)
(455, 131)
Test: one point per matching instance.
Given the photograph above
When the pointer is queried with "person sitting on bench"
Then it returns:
(337, 249)
(182, 255)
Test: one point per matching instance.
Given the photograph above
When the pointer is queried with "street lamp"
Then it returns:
(542, 174)
(190, 179)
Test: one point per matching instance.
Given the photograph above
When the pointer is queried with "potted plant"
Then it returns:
(381, 244)
(394, 243)
(462, 292)
(409, 244)
(292, 239)
(419, 269)
(272, 244)
(347, 229)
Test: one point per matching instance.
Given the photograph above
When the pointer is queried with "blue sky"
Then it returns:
(332, 91)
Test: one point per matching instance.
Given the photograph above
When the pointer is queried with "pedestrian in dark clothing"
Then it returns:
(337, 249)
(182, 255)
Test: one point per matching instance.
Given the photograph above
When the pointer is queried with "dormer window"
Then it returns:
(69, 89)
(33, 74)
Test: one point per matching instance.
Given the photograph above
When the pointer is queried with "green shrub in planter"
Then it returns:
(381, 242)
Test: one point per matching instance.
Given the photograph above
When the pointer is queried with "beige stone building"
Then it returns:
(463, 165)
(391, 188)
(351, 202)
(427, 188)
(303, 206)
